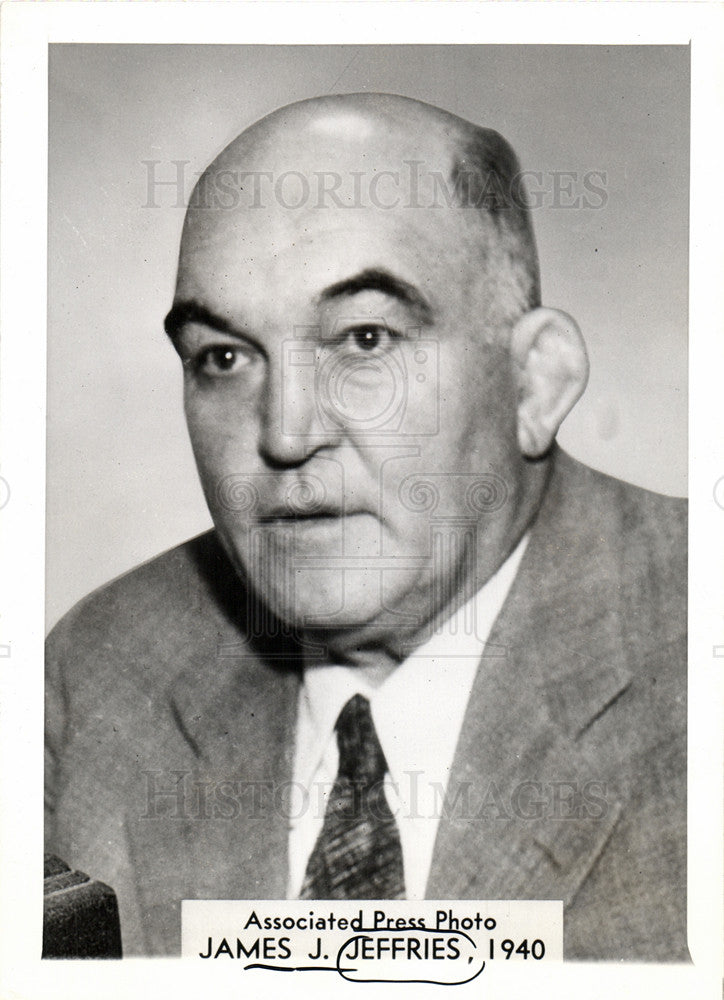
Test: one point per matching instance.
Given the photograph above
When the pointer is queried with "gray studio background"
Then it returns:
(121, 480)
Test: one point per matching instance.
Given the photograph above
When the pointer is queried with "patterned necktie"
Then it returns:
(358, 853)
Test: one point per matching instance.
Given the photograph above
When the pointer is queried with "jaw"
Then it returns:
(355, 586)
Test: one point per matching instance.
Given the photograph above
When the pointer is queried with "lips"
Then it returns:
(284, 514)
(295, 517)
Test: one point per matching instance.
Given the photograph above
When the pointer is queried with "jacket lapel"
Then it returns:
(243, 729)
(229, 715)
(529, 806)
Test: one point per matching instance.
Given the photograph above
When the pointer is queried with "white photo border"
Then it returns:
(27, 29)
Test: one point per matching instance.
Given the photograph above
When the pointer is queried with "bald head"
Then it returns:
(381, 154)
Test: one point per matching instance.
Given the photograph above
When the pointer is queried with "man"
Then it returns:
(407, 581)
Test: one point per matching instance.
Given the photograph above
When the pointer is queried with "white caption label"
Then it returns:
(391, 940)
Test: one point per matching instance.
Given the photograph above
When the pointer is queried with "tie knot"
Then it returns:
(361, 758)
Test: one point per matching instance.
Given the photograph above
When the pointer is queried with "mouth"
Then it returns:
(326, 516)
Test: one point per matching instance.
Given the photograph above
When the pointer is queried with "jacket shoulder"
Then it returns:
(619, 548)
(647, 528)
(663, 518)
(154, 606)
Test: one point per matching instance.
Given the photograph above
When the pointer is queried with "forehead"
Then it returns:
(231, 257)
(301, 202)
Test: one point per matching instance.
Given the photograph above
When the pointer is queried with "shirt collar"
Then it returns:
(418, 710)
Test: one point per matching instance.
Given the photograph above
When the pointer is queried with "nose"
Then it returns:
(292, 428)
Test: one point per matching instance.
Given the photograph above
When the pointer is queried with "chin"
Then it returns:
(325, 599)
(302, 578)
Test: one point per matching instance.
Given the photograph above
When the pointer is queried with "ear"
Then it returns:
(551, 371)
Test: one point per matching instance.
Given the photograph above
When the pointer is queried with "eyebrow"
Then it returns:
(190, 311)
(379, 280)
(369, 280)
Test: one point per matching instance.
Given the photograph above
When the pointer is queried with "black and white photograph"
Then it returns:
(367, 593)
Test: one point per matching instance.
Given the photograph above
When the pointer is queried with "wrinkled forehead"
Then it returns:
(232, 256)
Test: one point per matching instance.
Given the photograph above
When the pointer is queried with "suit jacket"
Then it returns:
(171, 714)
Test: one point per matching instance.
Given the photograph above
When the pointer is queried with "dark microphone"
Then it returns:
(80, 915)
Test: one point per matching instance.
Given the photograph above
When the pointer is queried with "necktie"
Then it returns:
(358, 853)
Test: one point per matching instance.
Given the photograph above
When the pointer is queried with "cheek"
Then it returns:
(477, 397)
(222, 439)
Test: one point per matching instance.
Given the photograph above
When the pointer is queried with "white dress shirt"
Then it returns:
(418, 713)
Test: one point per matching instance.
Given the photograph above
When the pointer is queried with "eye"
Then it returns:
(370, 338)
(220, 361)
